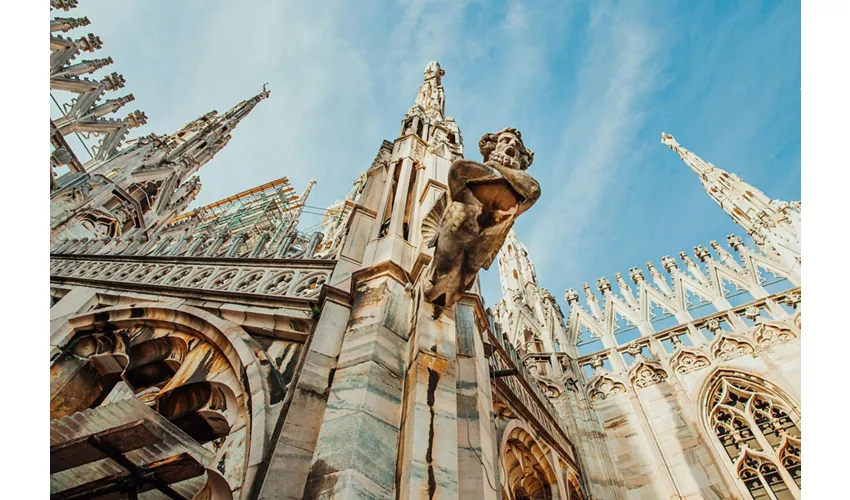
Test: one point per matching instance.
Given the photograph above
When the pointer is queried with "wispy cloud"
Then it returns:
(617, 71)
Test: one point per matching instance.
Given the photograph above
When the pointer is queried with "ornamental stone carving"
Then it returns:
(646, 373)
(468, 225)
(687, 360)
(730, 346)
(603, 386)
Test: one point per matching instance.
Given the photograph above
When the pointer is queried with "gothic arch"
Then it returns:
(754, 427)
(526, 469)
(574, 491)
(220, 385)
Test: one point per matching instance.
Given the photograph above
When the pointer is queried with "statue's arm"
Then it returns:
(524, 184)
(463, 171)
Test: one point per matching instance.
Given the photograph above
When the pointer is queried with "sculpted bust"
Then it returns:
(469, 224)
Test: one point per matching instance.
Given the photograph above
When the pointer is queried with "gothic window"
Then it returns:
(660, 318)
(759, 430)
(452, 139)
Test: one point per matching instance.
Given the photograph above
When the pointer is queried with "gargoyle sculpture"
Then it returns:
(468, 225)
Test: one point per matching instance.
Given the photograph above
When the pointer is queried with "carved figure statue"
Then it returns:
(468, 225)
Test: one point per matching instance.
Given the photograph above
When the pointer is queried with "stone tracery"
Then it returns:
(759, 430)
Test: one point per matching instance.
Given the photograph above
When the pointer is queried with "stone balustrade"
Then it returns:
(262, 280)
(747, 329)
(239, 246)
(526, 393)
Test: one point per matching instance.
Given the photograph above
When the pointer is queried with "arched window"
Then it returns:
(759, 430)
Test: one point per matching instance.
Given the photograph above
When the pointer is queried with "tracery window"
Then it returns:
(759, 430)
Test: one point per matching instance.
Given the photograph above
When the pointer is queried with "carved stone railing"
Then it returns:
(525, 392)
(746, 329)
(261, 280)
(239, 246)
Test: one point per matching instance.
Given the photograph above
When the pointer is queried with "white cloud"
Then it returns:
(617, 71)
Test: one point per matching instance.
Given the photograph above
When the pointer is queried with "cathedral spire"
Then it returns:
(773, 224)
(431, 97)
(241, 110)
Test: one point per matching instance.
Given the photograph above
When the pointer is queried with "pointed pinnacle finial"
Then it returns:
(265, 93)
(669, 141)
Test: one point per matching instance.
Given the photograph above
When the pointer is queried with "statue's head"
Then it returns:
(506, 148)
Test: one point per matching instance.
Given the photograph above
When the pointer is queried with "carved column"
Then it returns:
(428, 454)
(357, 446)
(400, 197)
(477, 471)
(285, 473)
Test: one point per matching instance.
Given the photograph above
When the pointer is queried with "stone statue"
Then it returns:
(468, 225)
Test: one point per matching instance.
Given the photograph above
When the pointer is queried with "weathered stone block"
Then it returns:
(356, 441)
(365, 387)
(377, 344)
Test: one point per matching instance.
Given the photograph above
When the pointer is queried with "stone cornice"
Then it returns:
(382, 269)
(335, 295)
(432, 182)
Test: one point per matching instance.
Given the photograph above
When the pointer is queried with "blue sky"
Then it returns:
(590, 84)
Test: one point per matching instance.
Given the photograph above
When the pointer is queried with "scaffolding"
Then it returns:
(273, 208)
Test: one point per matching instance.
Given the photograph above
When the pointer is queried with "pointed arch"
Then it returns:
(755, 429)
(202, 374)
(526, 467)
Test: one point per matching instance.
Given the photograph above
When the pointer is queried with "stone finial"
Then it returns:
(752, 312)
(795, 205)
(596, 362)
(571, 296)
(620, 281)
(636, 275)
(652, 271)
(792, 298)
(136, 119)
(634, 350)
(65, 5)
(69, 23)
(713, 325)
(125, 99)
(735, 241)
(113, 81)
(686, 259)
(669, 141)
(90, 43)
(701, 253)
(669, 263)
(96, 64)
(588, 293)
(603, 285)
